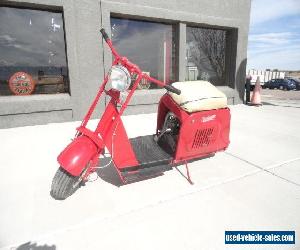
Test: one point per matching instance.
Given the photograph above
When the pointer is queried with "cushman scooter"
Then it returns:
(193, 121)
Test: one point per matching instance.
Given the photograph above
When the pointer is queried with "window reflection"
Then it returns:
(150, 45)
(205, 55)
(32, 42)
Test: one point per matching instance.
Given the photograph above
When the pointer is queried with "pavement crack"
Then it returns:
(267, 169)
(283, 163)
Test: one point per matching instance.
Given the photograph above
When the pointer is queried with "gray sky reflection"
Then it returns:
(143, 43)
(31, 38)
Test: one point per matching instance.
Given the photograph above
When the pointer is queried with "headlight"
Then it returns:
(119, 78)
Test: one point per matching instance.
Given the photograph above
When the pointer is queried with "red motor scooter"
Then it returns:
(193, 122)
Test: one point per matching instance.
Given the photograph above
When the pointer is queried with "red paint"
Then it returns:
(75, 157)
(201, 133)
(115, 138)
(81, 151)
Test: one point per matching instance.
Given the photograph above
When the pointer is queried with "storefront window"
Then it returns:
(205, 55)
(32, 52)
(150, 45)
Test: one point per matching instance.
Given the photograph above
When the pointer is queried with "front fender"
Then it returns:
(77, 155)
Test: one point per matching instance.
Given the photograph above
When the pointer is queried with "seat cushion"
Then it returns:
(198, 95)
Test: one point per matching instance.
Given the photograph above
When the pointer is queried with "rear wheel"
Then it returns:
(64, 184)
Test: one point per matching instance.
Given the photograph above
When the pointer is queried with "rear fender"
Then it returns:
(77, 155)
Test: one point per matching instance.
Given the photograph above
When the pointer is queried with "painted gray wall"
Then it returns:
(88, 58)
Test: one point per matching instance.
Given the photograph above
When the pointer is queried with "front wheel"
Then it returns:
(64, 184)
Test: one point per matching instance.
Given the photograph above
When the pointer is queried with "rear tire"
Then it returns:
(64, 184)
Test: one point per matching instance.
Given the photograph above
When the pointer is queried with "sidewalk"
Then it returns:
(254, 185)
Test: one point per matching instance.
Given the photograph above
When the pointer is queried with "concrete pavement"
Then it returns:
(254, 185)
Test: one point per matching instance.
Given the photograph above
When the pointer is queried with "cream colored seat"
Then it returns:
(198, 96)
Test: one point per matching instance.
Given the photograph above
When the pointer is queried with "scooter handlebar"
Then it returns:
(161, 84)
(109, 43)
(173, 89)
(167, 87)
(104, 34)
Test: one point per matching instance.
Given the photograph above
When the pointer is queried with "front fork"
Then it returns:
(91, 167)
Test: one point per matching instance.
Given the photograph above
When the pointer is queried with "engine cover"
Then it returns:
(200, 133)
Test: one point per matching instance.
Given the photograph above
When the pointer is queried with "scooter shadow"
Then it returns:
(34, 246)
(108, 173)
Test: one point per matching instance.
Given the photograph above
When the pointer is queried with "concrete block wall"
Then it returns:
(88, 58)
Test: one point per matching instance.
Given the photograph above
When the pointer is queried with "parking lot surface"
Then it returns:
(277, 94)
(254, 185)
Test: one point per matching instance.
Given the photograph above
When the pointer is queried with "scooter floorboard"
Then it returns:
(148, 152)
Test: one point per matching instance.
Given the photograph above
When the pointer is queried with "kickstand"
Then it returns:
(187, 177)
(188, 173)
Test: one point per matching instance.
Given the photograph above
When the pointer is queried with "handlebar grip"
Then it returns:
(104, 34)
(173, 89)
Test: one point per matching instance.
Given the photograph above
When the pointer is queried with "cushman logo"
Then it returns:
(208, 118)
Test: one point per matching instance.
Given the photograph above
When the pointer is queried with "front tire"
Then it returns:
(64, 184)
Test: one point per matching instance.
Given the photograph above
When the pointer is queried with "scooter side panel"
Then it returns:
(120, 148)
(116, 139)
(203, 133)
